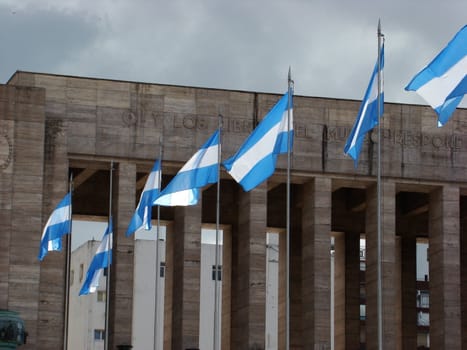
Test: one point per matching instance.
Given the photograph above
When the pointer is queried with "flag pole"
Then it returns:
(216, 286)
(67, 271)
(107, 279)
(287, 260)
(379, 272)
(157, 275)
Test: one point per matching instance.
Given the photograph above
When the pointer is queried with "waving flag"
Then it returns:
(101, 260)
(255, 160)
(200, 170)
(58, 224)
(367, 117)
(443, 83)
(142, 216)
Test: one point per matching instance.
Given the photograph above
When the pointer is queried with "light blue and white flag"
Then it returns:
(255, 160)
(58, 224)
(101, 260)
(200, 170)
(443, 83)
(142, 216)
(367, 117)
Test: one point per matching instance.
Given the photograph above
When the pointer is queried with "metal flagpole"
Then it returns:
(287, 259)
(157, 275)
(107, 280)
(67, 271)
(379, 287)
(216, 286)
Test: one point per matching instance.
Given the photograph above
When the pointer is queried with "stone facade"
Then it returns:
(53, 126)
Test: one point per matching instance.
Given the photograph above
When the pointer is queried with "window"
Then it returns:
(99, 334)
(101, 295)
(81, 272)
(219, 272)
(162, 269)
(423, 319)
(423, 299)
(362, 312)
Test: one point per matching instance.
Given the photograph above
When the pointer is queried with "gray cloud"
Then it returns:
(248, 45)
(41, 40)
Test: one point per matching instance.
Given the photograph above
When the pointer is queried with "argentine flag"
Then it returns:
(101, 260)
(200, 170)
(443, 83)
(255, 160)
(367, 117)
(58, 224)
(142, 216)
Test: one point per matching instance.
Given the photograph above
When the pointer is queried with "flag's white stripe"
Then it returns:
(264, 147)
(437, 89)
(177, 198)
(53, 244)
(106, 244)
(58, 216)
(152, 182)
(95, 280)
(204, 157)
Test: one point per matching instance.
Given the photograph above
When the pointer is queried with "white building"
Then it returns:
(87, 313)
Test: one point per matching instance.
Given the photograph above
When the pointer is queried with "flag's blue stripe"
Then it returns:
(56, 231)
(274, 117)
(192, 179)
(445, 110)
(207, 155)
(101, 260)
(264, 167)
(460, 90)
(260, 172)
(200, 170)
(255, 160)
(367, 117)
(142, 216)
(368, 124)
(448, 57)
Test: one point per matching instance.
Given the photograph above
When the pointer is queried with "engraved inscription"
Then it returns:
(6, 150)
(404, 138)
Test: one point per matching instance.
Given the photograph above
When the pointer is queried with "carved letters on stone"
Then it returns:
(333, 134)
(6, 146)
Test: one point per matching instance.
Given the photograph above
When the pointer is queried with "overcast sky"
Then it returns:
(330, 45)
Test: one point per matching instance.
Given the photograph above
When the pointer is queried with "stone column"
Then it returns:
(463, 264)
(186, 277)
(121, 276)
(23, 213)
(249, 271)
(409, 290)
(388, 223)
(168, 288)
(340, 282)
(316, 229)
(352, 290)
(295, 278)
(444, 257)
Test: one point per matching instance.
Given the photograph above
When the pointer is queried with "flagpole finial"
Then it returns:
(380, 34)
(290, 81)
